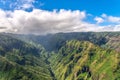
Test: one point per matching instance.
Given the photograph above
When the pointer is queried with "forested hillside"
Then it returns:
(22, 61)
(82, 60)
(61, 56)
(52, 42)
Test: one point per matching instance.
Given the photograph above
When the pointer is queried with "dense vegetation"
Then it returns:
(62, 56)
(53, 42)
(22, 61)
(82, 60)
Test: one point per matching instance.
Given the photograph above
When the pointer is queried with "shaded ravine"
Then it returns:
(52, 74)
(50, 69)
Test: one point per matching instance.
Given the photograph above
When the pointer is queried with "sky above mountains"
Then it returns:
(53, 16)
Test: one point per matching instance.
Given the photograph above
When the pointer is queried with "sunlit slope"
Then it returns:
(82, 60)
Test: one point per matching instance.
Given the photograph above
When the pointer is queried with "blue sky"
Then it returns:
(95, 7)
(99, 15)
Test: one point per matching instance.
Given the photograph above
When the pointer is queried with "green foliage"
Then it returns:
(68, 56)
(82, 60)
(22, 61)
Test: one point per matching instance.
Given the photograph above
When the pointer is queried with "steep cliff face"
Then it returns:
(82, 60)
(72, 56)
(22, 61)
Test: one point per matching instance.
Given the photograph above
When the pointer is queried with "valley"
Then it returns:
(61, 56)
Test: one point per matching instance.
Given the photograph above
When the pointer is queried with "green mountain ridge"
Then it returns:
(62, 56)
(53, 42)
(82, 60)
(21, 61)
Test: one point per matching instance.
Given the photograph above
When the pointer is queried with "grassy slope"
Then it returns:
(82, 60)
(21, 61)
(76, 60)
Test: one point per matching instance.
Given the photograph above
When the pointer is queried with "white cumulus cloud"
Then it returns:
(111, 19)
(99, 19)
(42, 22)
(114, 19)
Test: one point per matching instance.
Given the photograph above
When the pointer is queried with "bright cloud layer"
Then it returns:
(43, 22)
(111, 19)
(39, 21)
(99, 19)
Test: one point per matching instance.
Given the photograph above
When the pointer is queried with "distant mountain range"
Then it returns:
(61, 56)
